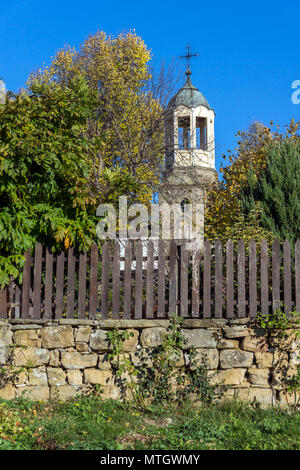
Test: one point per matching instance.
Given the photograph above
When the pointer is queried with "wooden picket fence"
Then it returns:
(156, 281)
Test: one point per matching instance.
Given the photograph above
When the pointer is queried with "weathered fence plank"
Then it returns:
(207, 280)
(82, 285)
(218, 279)
(287, 277)
(26, 284)
(229, 280)
(297, 275)
(252, 279)
(161, 287)
(264, 280)
(3, 302)
(150, 273)
(195, 283)
(104, 280)
(116, 281)
(71, 283)
(173, 289)
(94, 259)
(48, 283)
(17, 300)
(138, 279)
(37, 281)
(127, 280)
(276, 275)
(184, 261)
(241, 279)
(60, 265)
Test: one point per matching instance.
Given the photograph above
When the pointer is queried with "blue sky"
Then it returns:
(249, 51)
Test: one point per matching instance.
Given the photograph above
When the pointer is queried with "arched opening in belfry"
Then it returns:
(201, 133)
(184, 133)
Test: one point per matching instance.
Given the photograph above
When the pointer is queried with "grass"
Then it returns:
(89, 423)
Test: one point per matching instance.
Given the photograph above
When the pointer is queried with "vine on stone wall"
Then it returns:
(163, 375)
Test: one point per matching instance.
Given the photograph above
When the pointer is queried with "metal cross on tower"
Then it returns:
(188, 56)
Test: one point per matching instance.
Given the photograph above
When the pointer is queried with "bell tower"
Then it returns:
(190, 149)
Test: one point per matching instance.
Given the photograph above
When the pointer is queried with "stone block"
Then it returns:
(8, 392)
(265, 360)
(64, 392)
(240, 321)
(131, 343)
(116, 361)
(295, 357)
(199, 339)
(60, 336)
(228, 344)
(83, 334)
(20, 326)
(104, 363)
(38, 376)
(239, 331)
(231, 358)
(288, 399)
(54, 358)
(74, 377)
(34, 392)
(76, 360)
(82, 347)
(227, 376)
(30, 356)
(207, 357)
(142, 358)
(56, 376)
(6, 334)
(125, 379)
(295, 345)
(178, 358)
(26, 337)
(259, 376)
(203, 323)
(101, 377)
(5, 342)
(22, 378)
(152, 337)
(253, 344)
(99, 341)
(110, 393)
(264, 396)
(227, 396)
(281, 374)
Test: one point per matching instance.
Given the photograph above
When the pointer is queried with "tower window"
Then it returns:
(184, 133)
(201, 133)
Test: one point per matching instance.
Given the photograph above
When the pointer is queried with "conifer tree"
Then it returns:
(278, 191)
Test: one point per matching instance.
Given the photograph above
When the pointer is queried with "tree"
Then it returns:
(277, 189)
(45, 171)
(223, 201)
(248, 227)
(130, 110)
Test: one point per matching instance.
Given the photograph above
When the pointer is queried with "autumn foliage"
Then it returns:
(224, 218)
(129, 111)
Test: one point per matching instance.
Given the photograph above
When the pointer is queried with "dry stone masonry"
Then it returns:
(63, 358)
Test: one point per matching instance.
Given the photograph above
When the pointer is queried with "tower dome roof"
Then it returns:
(188, 96)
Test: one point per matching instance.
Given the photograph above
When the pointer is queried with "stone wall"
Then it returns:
(62, 358)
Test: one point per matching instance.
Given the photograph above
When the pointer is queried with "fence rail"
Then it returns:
(155, 280)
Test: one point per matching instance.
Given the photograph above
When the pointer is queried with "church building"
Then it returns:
(190, 150)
